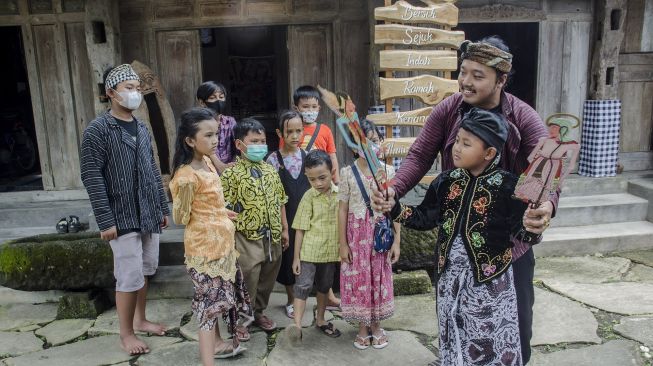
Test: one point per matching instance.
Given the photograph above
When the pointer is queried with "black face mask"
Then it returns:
(218, 106)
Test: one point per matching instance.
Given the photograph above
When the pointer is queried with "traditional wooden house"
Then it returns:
(565, 53)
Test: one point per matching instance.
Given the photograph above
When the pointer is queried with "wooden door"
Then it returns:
(56, 128)
(310, 61)
(179, 62)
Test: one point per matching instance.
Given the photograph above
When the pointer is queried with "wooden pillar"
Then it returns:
(609, 33)
(374, 56)
(102, 43)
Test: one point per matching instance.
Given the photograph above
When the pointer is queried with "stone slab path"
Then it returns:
(639, 329)
(16, 316)
(612, 353)
(15, 343)
(102, 350)
(590, 310)
(557, 319)
(416, 314)
(63, 331)
(186, 354)
(316, 349)
(168, 312)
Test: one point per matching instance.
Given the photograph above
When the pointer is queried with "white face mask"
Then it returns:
(130, 99)
(309, 117)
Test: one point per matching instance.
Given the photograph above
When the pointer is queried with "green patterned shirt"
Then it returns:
(317, 215)
(254, 190)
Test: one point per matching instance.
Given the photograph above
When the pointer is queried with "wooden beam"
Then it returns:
(417, 36)
(403, 12)
(419, 60)
(416, 118)
(430, 89)
(397, 147)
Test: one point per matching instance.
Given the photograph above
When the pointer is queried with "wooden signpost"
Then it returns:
(415, 118)
(431, 49)
(418, 60)
(417, 36)
(428, 88)
(402, 12)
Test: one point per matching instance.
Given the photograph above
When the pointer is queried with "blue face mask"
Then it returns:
(256, 153)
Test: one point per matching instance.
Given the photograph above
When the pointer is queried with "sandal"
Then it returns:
(364, 344)
(265, 323)
(226, 353)
(242, 333)
(62, 226)
(376, 340)
(329, 330)
(290, 311)
(74, 225)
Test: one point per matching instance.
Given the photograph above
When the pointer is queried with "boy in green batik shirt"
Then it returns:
(253, 189)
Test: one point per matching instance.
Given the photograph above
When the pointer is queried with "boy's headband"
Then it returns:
(119, 74)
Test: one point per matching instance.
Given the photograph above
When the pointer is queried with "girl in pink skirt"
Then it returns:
(366, 288)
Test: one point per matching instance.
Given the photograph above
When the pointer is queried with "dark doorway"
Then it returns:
(19, 161)
(523, 40)
(252, 63)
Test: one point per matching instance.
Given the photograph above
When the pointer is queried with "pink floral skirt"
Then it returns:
(366, 288)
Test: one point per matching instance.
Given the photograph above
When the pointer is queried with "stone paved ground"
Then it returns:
(590, 310)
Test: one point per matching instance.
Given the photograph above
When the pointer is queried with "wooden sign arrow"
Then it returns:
(397, 147)
(417, 36)
(415, 118)
(430, 89)
(403, 12)
(418, 60)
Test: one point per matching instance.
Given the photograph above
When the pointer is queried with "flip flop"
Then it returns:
(377, 338)
(243, 334)
(362, 345)
(329, 330)
(290, 311)
(229, 354)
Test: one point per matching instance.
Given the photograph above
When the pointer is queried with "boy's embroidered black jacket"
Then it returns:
(481, 209)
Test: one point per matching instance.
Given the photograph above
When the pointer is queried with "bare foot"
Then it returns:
(149, 327)
(132, 345)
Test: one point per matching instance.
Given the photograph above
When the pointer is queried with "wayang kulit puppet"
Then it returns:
(550, 162)
(347, 121)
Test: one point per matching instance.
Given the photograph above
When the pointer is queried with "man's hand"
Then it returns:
(382, 201)
(345, 253)
(393, 254)
(165, 222)
(296, 267)
(109, 234)
(537, 220)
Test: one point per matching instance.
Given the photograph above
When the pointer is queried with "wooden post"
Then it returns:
(389, 102)
(611, 15)
(102, 43)
(431, 49)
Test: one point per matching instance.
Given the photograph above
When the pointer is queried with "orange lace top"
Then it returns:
(199, 204)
